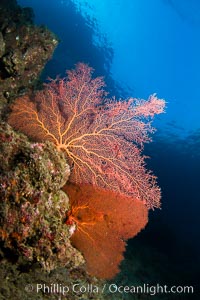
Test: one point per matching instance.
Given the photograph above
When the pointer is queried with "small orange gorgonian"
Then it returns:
(102, 138)
(104, 220)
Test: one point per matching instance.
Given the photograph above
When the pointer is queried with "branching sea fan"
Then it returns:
(102, 140)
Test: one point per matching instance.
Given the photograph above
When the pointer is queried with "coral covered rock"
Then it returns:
(24, 50)
(33, 207)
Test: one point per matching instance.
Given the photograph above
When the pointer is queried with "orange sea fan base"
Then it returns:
(104, 221)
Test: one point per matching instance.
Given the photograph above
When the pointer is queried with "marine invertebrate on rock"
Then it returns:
(101, 137)
(24, 50)
(104, 220)
(32, 204)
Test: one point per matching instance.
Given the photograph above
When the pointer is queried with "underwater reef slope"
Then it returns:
(24, 50)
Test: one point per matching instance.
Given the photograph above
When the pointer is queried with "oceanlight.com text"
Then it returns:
(112, 288)
(150, 289)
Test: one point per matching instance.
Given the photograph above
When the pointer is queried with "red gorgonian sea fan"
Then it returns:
(104, 220)
(102, 138)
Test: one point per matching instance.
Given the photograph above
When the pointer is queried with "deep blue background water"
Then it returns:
(142, 47)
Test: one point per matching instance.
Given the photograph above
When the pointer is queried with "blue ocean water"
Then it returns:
(143, 47)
